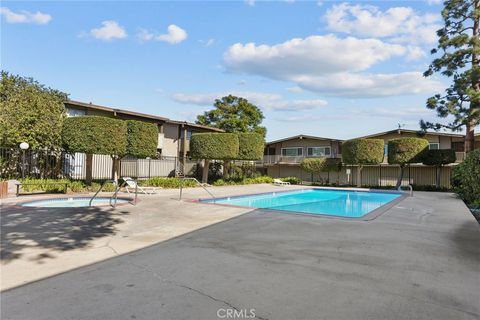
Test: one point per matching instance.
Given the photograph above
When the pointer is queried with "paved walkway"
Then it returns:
(419, 260)
(40, 242)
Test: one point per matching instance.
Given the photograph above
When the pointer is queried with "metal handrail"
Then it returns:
(98, 191)
(199, 183)
(115, 194)
(409, 187)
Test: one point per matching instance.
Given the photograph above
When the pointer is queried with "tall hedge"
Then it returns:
(251, 146)
(466, 179)
(406, 150)
(439, 158)
(214, 146)
(313, 165)
(142, 139)
(361, 152)
(95, 135)
(403, 151)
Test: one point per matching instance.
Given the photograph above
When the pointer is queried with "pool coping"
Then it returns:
(367, 217)
(20, 205)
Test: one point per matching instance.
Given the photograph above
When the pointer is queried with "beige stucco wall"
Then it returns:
(170, 141)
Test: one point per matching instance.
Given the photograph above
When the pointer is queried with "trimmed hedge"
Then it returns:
(333, 165)
(439, 157)
(251, 146)
(257, 180)
(95, 135)
(363, 151)
(466, 179)
(313, 165)
(142, 139)
(168, 183)
(214, 146)
(406, 150)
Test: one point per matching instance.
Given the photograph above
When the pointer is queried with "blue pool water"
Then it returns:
(352, 204)
(72, 202)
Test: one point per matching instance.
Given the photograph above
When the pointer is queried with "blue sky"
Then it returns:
(335, 69)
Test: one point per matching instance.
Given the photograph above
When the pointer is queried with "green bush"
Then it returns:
(466, 179)
(439, 157)
(95, 135)
(243, 171)
(313, 165)
(406, 150)
(214, 146)
(251, 146)
(257, 180)
(292, 180)
(142, 139)
(167, 183)
(363, 151)
(45, 185)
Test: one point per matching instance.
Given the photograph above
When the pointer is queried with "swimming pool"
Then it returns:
(339, 203)
(73, 202)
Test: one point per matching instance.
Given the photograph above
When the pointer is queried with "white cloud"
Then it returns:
(25, 16)
(331, 66)
(312, 55)
(401, 24)
(174, 35)
(110, 30)
(268, 101)
(356, 85)
(250, 3)
(295, 89)
(207, 43)
(434, 2)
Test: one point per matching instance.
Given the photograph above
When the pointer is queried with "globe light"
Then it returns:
(24, 146)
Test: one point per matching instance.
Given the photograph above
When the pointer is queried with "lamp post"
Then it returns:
(24, 146)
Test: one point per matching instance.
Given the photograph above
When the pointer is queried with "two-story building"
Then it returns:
(282, 158)
(173, 137)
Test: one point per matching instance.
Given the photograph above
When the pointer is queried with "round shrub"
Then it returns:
(333, 165)
(406, 150)
(217, 146)
(439, 157)
(466, 179)
(251, 146)
(313, 165)
(95, 135)
(142, 139)
(362, 151)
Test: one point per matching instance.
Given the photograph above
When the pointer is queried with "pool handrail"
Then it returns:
(114, 196)
(198, 183)
(410, 187)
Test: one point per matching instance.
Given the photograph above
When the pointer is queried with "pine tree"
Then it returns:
(459, 49)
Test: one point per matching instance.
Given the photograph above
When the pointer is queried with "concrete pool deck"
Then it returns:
(419, 260)
(41, 242)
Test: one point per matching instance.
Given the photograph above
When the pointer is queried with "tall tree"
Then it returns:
(30, 112)
(234, 114)
(459, 49)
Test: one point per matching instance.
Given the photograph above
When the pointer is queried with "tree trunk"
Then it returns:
(226, 169)
(470, 136)
(115, 162)
(359, 175)
(88, 169)
(439, 172)
(400, 178)
(206, 163)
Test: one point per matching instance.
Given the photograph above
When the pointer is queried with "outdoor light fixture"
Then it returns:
(24, 146)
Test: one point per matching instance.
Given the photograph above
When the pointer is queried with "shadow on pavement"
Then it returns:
(52, 228)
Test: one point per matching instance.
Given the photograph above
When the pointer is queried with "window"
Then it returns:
(189, 134)
(292, 152)
(71, 112)
(318, 151)
(434, 146)
(458, 146)
(385, 149)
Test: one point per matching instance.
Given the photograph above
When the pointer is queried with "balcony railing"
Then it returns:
(278, 159)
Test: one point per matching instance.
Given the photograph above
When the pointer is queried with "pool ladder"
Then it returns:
(114, 197)
(410, 189)
(203, 185)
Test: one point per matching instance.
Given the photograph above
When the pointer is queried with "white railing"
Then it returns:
(278, 159)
